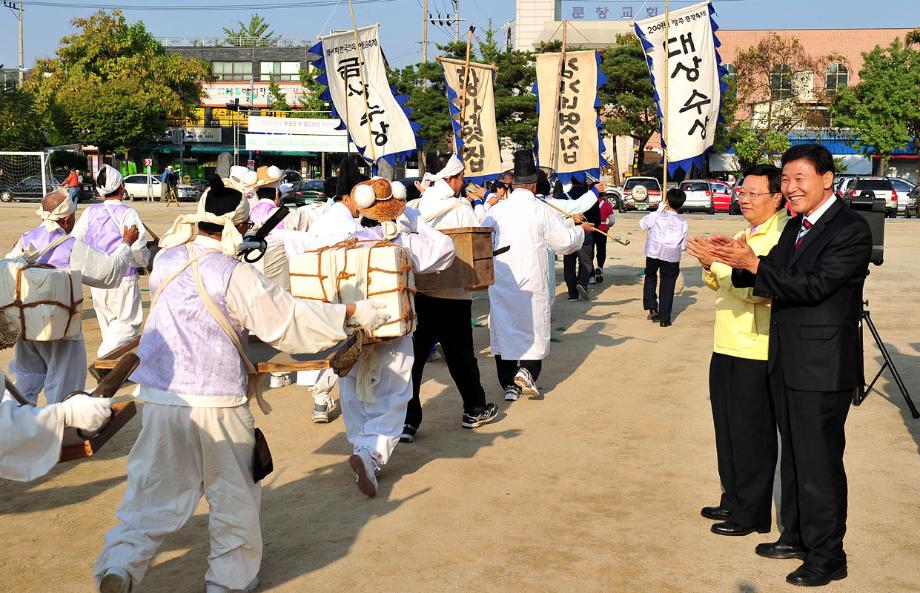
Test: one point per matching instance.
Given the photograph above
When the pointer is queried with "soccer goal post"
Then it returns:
(25, 176)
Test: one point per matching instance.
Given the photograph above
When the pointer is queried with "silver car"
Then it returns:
(699, 195)
(903, 189)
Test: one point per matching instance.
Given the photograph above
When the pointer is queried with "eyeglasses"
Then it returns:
(752, 195)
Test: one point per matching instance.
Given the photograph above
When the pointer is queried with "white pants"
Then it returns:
(376, 427)
(274, 264)
(321, 383)
(119, 313)
(180, 454)
(59, 367)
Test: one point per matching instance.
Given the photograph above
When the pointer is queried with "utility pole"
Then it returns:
(456, 21)
(16, 7)
(425, 31)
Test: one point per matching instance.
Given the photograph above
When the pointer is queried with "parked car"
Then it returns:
(137, 187)
(648, 197)
(291, 176)
(721, 196)
(913, 202)
(303, 193)
(699, 195)
(903, 189)
(735, 207)
(880, 186)
(841, 180)
(29, 189)
(188, 192)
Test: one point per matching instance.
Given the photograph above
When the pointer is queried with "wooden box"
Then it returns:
(73, 446)
(473, 266)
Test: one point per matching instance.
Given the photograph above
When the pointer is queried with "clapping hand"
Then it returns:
(701, 249)
(735, 253)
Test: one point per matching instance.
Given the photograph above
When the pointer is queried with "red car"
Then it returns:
(721, 196)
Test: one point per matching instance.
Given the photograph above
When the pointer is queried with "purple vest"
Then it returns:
(39, 238)
(261, 212)
(183, 350)
(104, 232)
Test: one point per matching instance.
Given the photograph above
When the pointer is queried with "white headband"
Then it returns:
(62, 211)
(185, 228)
(113, 179)
(453, 167)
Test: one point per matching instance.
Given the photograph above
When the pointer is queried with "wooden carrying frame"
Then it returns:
(473, 267)
(75, 307)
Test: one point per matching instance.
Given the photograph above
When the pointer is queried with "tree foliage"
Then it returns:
(883, 110)
(311, 102)
(256, 32)
(113, 85)
(19, 122)
(757, 146)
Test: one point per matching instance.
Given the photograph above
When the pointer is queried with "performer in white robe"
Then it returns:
(118, 309)
(519, 321)
(30, 438)
(373, 428)
(198, 435)
(60, 366)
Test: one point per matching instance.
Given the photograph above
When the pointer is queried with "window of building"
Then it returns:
(838, 77)
(279, 71)
(232, 70)
(781, 82)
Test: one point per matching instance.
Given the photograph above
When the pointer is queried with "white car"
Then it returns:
(137, 187)
(699, 195)
(903, 189)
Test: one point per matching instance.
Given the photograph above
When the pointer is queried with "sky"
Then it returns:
(400, 20)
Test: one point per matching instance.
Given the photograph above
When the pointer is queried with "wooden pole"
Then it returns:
(554, 153)
(664, 123)
(567, 215)
(367, 109)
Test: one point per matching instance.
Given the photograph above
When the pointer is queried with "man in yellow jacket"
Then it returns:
(739, 391)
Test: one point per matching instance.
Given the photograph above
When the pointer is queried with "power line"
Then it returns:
(188, 7)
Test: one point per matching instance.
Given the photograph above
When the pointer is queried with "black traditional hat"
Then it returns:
(525, 169)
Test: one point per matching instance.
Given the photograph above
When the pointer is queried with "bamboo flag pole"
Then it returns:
(554, 153)
(567, 215)
(367, 109)
(664, 124)
(466, 80)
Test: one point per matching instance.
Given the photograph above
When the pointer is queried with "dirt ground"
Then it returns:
(596, 487)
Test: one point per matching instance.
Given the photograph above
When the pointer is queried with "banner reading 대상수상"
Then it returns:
(693, 70)
(473, 117)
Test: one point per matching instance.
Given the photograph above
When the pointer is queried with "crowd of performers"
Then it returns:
(198, 434)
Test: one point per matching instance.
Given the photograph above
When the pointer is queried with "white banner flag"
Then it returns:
(567, 127)
(476, 136)
(693, 71)
(357, 86)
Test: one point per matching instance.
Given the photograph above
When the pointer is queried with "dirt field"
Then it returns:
(596, 488)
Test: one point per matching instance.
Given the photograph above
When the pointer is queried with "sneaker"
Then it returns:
(487, 415)
(653, 315)
(279, 380)
(512, 394)
(322, 410)
(583, 293)
(525, 383)
(408, 434)
(365, 472)
(115, 580)
(598, 276)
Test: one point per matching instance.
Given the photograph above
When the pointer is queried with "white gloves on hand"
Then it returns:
(87, 413)
(369, 315)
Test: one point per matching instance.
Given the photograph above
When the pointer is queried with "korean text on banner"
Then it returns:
(567, 137)
(476, 136)
(693, 70)
(364, 101)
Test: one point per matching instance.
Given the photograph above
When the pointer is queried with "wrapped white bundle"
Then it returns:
(355, 270)
(46, 303)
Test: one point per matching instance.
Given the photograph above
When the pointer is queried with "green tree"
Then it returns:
(883, 110)
(310, 101)
(113, 85)
(755, 146)
(256, 32)
(19, 122)
(276, 99)
(627, 98)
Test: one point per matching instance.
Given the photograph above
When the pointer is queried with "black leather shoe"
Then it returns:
(716, 513)
(731, 528)
(809, 575)
(780, 551)
(665, 324)
(653, 315)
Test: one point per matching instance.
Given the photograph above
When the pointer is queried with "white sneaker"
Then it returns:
(115, 580)
(279, 380)
(524, 381)
(512, 394)
(323, 407)
(365, 469)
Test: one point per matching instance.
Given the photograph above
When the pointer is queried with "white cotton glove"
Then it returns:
(87, 413)
(408, 222)
(369, 315)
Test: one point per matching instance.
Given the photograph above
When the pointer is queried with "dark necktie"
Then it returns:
(806, 226)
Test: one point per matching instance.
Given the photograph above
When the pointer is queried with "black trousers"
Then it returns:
(600, 250)
(813, 503)
(584, 259)
(742, 413)
(447, 320)
(664, 300)
(507, 369)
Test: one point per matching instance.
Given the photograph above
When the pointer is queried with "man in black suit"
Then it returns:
(815, 277)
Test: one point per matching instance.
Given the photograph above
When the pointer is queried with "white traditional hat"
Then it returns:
(453, 167)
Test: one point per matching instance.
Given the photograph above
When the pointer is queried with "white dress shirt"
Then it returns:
(667, 235)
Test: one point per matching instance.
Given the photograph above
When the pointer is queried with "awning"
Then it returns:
(219, 148)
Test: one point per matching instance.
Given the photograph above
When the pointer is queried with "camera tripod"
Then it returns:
(864, 389)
